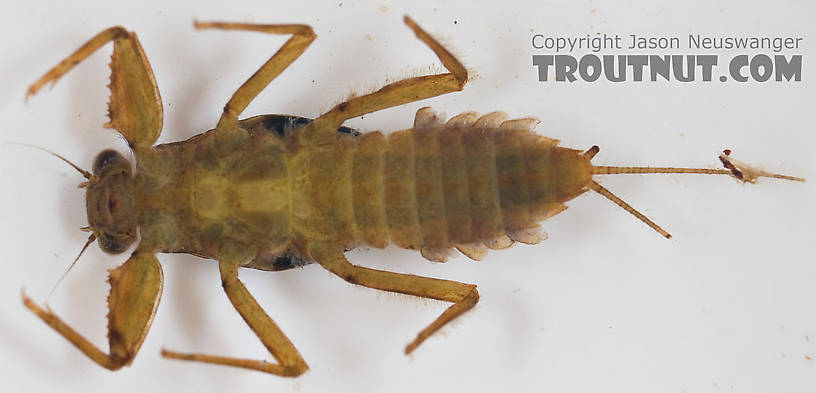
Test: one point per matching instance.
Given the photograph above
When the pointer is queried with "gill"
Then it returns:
(734, 168)
(90, 178)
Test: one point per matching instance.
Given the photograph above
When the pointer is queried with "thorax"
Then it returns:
(215, 194)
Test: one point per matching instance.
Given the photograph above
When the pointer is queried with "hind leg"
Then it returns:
(394, 94)
(463, 296)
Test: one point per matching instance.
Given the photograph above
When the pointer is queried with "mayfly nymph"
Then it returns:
(273, 192)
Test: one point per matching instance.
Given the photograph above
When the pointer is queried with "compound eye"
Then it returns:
(110, 246)
(105, 159)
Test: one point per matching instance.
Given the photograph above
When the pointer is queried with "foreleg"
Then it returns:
(134, 296)
(135, 108)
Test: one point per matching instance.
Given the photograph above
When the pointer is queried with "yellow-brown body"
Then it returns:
(259, 195)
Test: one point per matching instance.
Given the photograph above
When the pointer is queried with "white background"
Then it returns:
(604, 305)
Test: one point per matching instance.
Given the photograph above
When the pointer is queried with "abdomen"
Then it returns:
(471, 183)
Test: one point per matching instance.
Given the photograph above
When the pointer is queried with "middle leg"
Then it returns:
(290, 363)
(302, 37)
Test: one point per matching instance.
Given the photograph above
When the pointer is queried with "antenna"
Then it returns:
(85, 173)
(90, 240)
